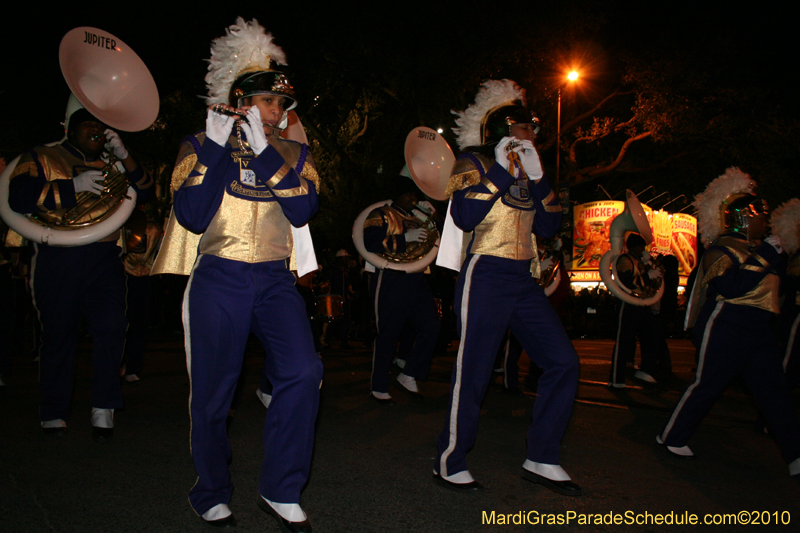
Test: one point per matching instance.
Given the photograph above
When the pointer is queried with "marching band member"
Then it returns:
(740, 280)
(498, 192)
(785, 223)
(71, 282)
(244, 190)
(636, 321)
(399, 297)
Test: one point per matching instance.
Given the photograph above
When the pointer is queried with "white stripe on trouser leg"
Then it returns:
(187, 339)
(615, 358)
(453, 424)
(790, 343)
(698, 375)
(505, 362)
(377, 324)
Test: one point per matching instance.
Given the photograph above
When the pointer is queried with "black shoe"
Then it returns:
(288, 527)
(55, 432)
(567, 488)
(382, 401)
(229, 522)
(102, 434)
(472, 486)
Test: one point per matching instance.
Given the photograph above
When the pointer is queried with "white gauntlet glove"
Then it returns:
(416, 235)
(219, 127)
(420, 214)
(89, 181)
(114, 145)
(500, 152)
(655, 273)
(531, 163)
(254, 129)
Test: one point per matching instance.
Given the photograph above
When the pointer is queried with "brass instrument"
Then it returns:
(114, 85)
(632, 218)
(91, 208)
(551, 277)
(429, 160)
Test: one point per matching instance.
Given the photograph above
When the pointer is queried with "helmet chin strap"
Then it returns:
(282, 123)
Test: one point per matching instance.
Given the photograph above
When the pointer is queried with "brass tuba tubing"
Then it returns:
(116, 185)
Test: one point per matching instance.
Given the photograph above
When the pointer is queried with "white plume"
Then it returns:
(785, 222)
(492, 94)
(709, 203)
(246, 46)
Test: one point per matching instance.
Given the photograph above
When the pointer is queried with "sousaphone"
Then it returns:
(633, 218)
(429, 160)
(113, 84)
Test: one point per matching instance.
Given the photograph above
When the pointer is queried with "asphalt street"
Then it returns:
(372, 463)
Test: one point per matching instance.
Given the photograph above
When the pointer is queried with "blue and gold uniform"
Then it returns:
(72, 282)
(399, 298)
(244, 206)
(496, 290)
(734, 339)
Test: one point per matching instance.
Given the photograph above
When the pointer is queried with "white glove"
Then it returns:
(655, 273)
(546, 264)
(775, 242)
(500, 152)
(254, 129)
(531, 163)
(89, 181)
(416, 235)
(425, 204)
(114, 145)
(219, 127)
(646, 257)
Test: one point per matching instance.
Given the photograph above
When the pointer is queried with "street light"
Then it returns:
(571, 77)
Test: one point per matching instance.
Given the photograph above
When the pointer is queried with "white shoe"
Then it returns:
(408, 383)
(131, 378)
(684, 452)
(644, 376)
(102, 418)
(54, 424)
(218, 512)
(265, 398)
(291, 512)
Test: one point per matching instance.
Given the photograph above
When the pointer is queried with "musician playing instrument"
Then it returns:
(637, 321)
(243, 187)
(70, 282)
(499, 194)
(739, 279)
(400, 298)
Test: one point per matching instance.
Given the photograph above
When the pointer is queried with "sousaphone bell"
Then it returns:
(114, 85)
(429, 160)
(633, 218)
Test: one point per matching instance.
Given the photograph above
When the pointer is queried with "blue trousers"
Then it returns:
(401, 298)
(224, 299)
(736, 340)
(70, 283)
(492, 295)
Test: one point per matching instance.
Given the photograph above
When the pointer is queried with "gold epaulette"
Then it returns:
(465, 174)
(185, 163)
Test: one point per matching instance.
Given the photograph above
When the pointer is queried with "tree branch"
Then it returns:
(589, 173)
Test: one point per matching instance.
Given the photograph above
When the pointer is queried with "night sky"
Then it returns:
(762, 46)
